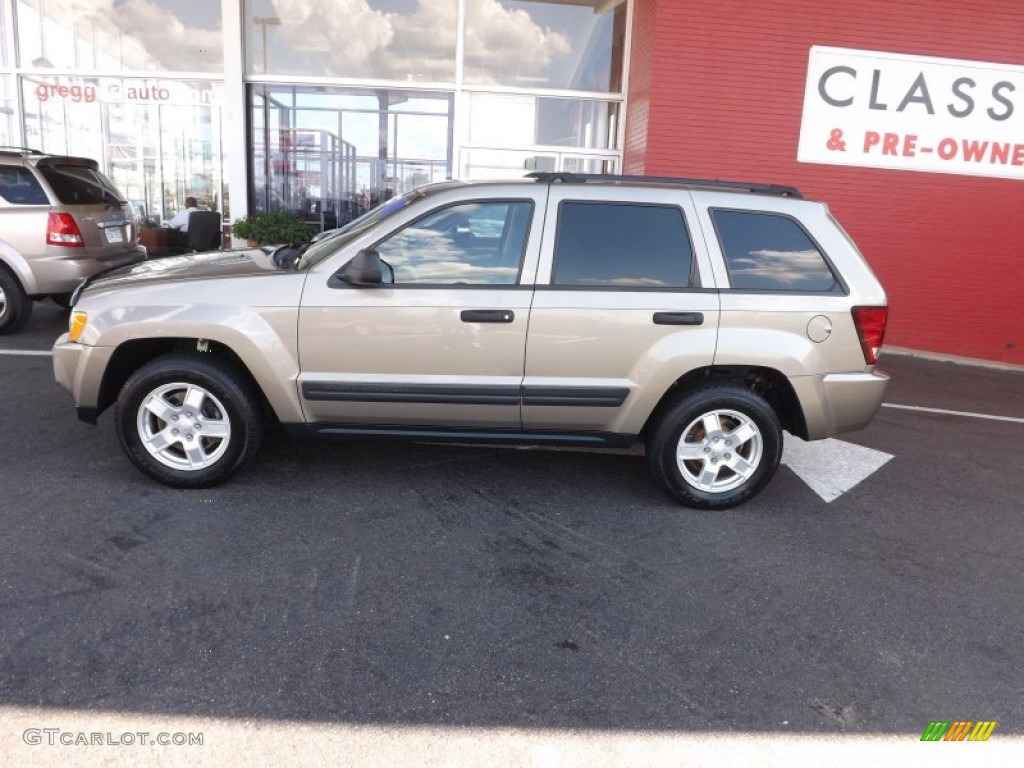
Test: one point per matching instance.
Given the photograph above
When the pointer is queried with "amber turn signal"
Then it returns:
(77, 325)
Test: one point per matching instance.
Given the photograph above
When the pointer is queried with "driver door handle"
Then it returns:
(487, 316)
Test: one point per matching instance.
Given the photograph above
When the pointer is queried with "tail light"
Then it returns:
(870, 323)
(61, 229)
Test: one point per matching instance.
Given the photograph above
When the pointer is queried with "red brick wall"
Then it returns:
(716, 90)
(641, 72)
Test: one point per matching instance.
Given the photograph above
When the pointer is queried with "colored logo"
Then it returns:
(959, 730)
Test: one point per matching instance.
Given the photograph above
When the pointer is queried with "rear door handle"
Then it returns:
(487, 316)
(679, 318)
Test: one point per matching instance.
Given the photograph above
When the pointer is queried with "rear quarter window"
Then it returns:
(771, 252)
(19, 187)
(79, 184)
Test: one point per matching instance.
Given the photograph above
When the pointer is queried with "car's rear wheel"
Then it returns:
(15, 306)
(716, 447)
(187, 422)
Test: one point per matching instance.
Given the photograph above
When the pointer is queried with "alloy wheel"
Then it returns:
(719, 451)
(183, 426)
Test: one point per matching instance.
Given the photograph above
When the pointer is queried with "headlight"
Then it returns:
(77, 325)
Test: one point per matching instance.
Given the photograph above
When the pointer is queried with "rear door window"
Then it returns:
(19, 186)
(621, 245)
(79, 184)
(771, 252)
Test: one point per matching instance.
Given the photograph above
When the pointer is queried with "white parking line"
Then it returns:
(26, 352)
(969, 414)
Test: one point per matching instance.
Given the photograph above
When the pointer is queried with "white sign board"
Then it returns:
(913, 113)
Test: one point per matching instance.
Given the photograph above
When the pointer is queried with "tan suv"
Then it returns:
(61, 220)
(701, 318)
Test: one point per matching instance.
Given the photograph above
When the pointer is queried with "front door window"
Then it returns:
(468, 244)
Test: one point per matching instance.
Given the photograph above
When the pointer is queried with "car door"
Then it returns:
(625, 305)
(442, 342)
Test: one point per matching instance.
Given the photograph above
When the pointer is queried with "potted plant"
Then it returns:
(271, 228)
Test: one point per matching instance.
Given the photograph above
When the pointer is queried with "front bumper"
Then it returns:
(79, 369)
(839, 402)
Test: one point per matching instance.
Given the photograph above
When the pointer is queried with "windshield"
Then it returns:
(331, 241)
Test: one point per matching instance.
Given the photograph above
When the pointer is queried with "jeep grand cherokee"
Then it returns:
(700, 318)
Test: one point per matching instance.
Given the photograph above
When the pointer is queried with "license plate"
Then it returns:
(114, 235)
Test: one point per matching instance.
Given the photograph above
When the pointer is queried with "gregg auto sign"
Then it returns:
(913, 113)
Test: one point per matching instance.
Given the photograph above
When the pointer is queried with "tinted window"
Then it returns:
(767, 252)
(19, 186)
(79, 184)
(605, 245)
(471, 243)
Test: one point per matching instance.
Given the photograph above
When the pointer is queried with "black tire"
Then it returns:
(189, 458)
(15, 306)
(735, 461)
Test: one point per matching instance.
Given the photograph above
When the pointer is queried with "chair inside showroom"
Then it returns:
(204, 230)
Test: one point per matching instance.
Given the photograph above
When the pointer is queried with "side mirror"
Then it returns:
(285, 256)
(363, 269)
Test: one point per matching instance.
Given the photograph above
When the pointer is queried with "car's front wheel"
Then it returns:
(716, 447)
(188, 422)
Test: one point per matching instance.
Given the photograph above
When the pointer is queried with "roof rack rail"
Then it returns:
(10, 149)
(740, 186)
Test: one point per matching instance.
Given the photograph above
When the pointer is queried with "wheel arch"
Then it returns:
(16, 265)
(132, 355)
(769, 383)
(16, 308)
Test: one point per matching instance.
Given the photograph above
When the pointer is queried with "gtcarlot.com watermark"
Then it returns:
(56, 737)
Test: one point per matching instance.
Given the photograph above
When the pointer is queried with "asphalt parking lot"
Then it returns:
(422, 585)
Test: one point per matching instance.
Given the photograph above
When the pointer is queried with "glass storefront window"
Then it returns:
(3, 34)
(403, 40)
(6, 112)
(159, 141)
(329, 154)
(503, 119)
(62, 111)
(484, 163)
(142, 35)
(540, 85)
(537, 44)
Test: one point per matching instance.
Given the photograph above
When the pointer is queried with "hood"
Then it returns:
(192, 266)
